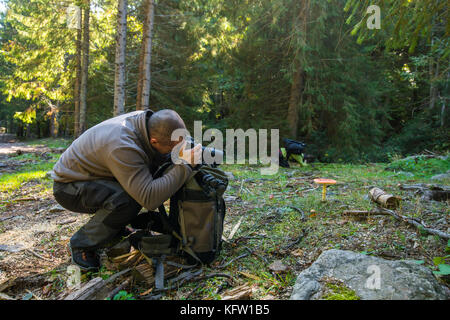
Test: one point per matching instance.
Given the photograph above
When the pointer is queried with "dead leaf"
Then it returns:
(238, 293)
(248, 275)
(46, 289)
(278, 267)
(297, 253)
(146, 292)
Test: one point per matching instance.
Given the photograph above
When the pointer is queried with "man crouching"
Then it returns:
(108, 171)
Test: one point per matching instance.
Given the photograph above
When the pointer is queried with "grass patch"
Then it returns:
(14, 181)
(51, 143)
(35, 171)
(421, 166)
(339, 292)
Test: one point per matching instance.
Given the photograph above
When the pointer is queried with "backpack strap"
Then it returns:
(185, 245)
(159, 273)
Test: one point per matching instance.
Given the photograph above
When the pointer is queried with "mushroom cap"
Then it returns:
(325, 181)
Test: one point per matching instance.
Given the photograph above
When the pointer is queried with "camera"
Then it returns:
(210, 152)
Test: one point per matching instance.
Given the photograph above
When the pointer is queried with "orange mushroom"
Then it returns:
(324, 183)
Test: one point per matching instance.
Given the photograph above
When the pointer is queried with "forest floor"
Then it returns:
(269, 219)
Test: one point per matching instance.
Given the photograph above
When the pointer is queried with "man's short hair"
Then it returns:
(162, 123)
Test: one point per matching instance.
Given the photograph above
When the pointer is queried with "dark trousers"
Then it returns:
(112, 207)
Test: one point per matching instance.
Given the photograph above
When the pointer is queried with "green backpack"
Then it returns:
(194, 226)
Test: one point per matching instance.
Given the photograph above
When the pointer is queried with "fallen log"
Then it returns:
(93, 290)
(384, 199)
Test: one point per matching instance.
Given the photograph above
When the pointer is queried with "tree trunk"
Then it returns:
(143, 97)
(76, 93)
(297, 78)
(434, 73)
(54, 126)
(294, 101)
(84, 69)
(38, 129)
(443, 102)
(119, 82)
(141, 63)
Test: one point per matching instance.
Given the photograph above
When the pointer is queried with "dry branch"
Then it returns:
(38, 255)
(417, 224)
(120, 287)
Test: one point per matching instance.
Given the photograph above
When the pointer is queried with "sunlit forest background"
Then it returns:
(311, 68)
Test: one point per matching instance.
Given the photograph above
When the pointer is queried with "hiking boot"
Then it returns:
(87, 260)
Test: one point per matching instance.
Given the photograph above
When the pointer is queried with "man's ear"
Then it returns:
(153, 140)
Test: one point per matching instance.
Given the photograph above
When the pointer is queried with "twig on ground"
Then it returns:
(6, 218)
(66, 221)
(415, 223)
(120, 287)
(363, 213)
(19, 200)
(236, 227)
(232, 260)
(38, 255)
(208, 276)
(256, 254)
(299, 210)
(293, 243)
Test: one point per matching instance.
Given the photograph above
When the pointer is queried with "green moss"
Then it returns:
(339, 292)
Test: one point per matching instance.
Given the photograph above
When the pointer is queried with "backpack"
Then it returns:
(293, 147)
(194, 226)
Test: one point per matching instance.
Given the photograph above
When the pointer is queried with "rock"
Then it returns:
(371, 278)
(441, 176)
(278, 267)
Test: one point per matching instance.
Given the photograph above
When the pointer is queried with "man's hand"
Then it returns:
(189, 156)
